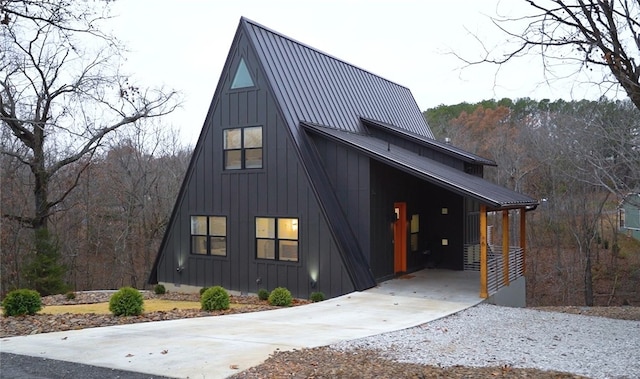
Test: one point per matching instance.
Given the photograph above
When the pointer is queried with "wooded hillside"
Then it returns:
(580, 158)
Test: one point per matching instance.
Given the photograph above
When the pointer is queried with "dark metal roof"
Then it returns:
(431, 143)
(316, 87)
(442, 175)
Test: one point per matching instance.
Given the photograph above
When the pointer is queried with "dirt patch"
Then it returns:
(324, 362)
(150, 305)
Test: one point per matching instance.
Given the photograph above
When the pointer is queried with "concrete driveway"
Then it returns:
(220, 346)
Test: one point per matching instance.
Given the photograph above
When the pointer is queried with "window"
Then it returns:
(209, 235)
(277, 238)
(243, 148)
(242, 78)
(415, 229)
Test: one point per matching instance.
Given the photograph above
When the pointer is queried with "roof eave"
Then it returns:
(436, 145)
(491, 203)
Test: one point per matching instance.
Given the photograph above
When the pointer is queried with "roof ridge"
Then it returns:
(307, 46)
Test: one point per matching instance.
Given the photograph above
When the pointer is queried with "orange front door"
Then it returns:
(400, 238)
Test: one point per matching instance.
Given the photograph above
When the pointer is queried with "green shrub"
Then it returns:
(263, 294)
(214, 299)
(203, 289)
(280, 297)
(316, 296)
(70, 295)
(21, 302)
(159, 289)
(128, 301)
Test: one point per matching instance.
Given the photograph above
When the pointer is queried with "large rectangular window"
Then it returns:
(277, 238)
(209, 235)
(242, 148)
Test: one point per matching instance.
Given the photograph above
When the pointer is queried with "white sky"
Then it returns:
(183, 45)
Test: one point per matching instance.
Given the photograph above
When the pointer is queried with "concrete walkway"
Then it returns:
(220, 346)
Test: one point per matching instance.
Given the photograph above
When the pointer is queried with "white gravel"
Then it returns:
(489, 335)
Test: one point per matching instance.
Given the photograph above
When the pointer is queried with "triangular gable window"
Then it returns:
(242, 79)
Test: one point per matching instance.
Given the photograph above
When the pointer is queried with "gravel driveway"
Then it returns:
(488, 335)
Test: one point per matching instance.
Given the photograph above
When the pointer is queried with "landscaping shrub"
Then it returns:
(263, 294)
(22, 302)
(70, 295)
(128, 301)
(316, 296)
(214, 299)
(280, 297)
(159, 289)
(203, 289)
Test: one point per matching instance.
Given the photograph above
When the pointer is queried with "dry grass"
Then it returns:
(151, 305)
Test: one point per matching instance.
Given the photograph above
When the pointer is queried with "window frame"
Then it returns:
(241, 87)
(242, 149)
(276, 240)
(208, 236)
(414, 232)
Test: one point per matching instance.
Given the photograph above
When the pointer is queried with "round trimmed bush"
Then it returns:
(70, 295)
(22, 302)
(280, 297)
(203, 289)
(316, 297)
(128, 301)
(159, 289)
(214, 299)
(263, 294)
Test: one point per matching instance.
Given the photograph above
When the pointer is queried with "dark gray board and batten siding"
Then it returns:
(335, 179)
(279, 189)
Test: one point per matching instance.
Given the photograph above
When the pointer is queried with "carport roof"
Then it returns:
(457, 181)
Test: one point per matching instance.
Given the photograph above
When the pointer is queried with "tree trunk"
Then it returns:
(588, 280)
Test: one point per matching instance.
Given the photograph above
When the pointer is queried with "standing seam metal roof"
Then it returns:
(319, 88)
(432, 171)
(432, 143)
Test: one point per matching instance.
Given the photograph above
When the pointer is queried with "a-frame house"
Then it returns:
(316, 175)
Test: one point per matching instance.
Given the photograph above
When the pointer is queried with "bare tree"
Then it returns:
(61, 93)
(588, 34)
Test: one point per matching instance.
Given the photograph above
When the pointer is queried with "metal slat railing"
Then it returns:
(495, 271)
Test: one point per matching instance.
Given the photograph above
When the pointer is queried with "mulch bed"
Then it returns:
(45, 323)
(325, 363)
(322, 362)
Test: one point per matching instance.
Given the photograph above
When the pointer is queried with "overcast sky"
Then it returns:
(183, 45)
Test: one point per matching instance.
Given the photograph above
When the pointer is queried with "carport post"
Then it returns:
(483, 252)
(505, 247)
(523, 239)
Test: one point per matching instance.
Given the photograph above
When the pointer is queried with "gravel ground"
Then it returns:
(488, 335)
(485, 341)
(482, 342)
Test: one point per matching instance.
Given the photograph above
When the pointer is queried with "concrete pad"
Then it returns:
(220, 346)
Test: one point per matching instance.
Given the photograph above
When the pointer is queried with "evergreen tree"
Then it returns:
(44, 272)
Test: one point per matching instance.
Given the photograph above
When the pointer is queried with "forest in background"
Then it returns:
(107, 231)
(88, 180)
(577, 157)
